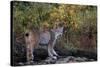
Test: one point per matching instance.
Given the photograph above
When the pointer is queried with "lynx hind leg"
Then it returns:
(29, 49)
(30, 56)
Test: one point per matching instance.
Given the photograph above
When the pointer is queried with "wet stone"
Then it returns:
(68, 59)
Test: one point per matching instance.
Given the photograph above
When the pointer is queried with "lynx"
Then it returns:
(47, 37)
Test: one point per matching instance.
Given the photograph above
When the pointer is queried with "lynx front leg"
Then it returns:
(52, 48)
(55, 55)
(50, 52)
(54, 52)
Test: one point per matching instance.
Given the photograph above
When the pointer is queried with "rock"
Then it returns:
(21, 63)
(68, 59)
(79, 59)
(60, 61)
(50, 61)
(91, 59)
(84, 58)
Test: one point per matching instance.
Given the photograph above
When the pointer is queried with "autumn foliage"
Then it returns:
(80, 22)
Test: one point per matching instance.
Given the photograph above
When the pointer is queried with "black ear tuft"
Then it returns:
(27, 34)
